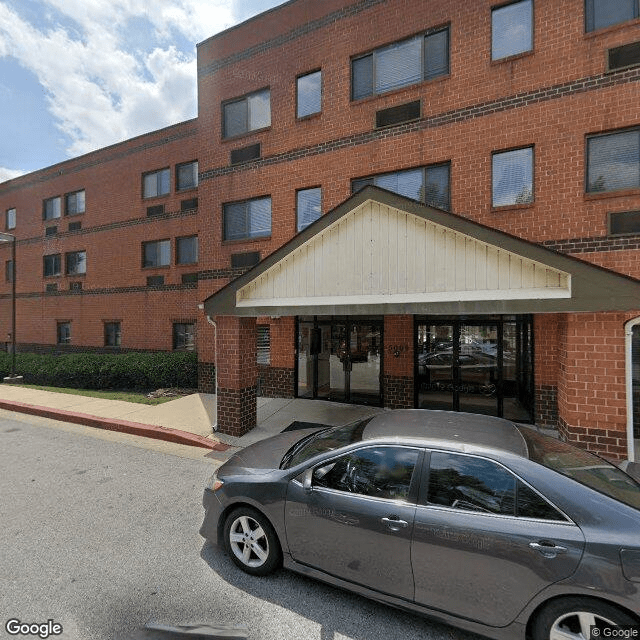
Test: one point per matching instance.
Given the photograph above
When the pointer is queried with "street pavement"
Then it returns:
(100, 534)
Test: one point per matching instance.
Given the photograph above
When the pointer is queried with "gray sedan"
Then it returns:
(472, 520)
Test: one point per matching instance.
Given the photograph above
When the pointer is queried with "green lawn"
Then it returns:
(126, 396)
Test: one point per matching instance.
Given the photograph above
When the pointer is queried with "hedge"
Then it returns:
(134, 371)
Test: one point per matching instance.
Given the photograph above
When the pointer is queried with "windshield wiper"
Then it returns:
(300, 444)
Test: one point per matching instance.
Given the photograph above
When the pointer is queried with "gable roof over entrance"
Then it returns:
(380, 253)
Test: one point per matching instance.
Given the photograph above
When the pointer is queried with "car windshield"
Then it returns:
(323, 441)
(582, 466)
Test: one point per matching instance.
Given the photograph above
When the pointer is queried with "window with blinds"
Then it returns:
(429, 185)
(264, 344)
(400, 64)
(248, 113)
(613, 161)
(308, 207)
(512, 177)
(309, 94)
(248, 219)
(511, 29)
(606, 13)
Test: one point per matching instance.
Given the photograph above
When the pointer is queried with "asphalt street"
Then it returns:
(100, 534)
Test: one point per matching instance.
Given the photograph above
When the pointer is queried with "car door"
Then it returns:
(356, 519)
(484, 541)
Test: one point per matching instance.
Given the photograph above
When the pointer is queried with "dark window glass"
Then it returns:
(184, 336)
(74, 203)
(309, 94)
(155, 183)
(264, 344)
(8, 271)
(512, 29)
(247, 114)
(471, 484)
(531, 505)
(308, 206)
(380, 472)
(429, 185)
(250, 219)
(112, 334)
(622, 222)
(75, 226)
(155, 281)
(76, 262)
(187, 176)
(156, 254)
(604, 13)
(513, 177)
(51, 208)
(50, 231)
(400, 64)
(613, 162)
(64, 332)
(52, 265)
(187, 250)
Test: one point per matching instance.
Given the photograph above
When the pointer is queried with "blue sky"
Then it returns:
(77, 75)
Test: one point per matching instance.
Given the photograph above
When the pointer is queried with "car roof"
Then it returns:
(448, 428)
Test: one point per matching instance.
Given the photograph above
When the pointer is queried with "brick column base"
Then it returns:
(236, 410)
(398, 392)
(276, 382)
(547, 406)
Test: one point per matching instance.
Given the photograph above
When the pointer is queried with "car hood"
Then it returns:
(263, 456)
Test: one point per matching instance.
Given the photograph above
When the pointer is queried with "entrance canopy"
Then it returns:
(381, 253)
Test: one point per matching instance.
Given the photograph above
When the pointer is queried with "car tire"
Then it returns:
(571, 618)
(251, 542)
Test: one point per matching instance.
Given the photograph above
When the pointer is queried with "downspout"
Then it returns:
(214, 426)
(628, 348)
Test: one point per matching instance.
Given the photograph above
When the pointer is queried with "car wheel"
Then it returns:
(251, 542)
(573, 618)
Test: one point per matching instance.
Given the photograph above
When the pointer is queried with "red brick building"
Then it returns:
(516, 125)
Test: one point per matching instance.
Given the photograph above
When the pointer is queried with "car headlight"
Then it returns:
(214, 482)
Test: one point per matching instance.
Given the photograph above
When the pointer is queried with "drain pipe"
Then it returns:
(214, 426)
(628, 340)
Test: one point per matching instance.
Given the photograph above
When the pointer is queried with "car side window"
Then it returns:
(531, 505)
(471, 484)
(380, 472)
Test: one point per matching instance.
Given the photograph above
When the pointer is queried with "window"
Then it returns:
(249, 113)
(52, 265)
(74, 203)
(156, 254)
(155, 281)
(64, 332)
(613, 161)
(264, 344)
(8, 271)
(184, 336)
(511, 29)
(604, 13)
(249, 219)
(400, 64)
(309, 94)
(155, 183)
(187, 176)
(512, 177)
(112, 334)
(76, 262)
(624, 222)
(308, 207)
(51, 208)
(380, 472)
(429, 185)
(187, 250)
(10, 222)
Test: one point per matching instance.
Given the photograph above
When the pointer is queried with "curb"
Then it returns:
(123, 426)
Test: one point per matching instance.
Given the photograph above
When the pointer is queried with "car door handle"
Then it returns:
(547, 549)
(395, 524)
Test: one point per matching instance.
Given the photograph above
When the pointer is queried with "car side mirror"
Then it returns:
(307, 483)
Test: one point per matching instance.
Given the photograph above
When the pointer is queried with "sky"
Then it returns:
(78, 75)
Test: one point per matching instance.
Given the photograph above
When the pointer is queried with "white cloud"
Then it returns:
(100, 87)
(9, 174)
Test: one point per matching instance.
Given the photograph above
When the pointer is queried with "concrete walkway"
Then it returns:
(187, 420)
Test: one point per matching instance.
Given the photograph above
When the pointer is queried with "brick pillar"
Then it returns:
(237, 375)
(278, 377)
(591, 383)
(546, 329)
(398, 367)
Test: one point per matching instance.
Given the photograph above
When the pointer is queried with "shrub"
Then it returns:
(139, 371)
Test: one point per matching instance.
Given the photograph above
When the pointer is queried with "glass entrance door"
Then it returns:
(339, 359)
(476, 365)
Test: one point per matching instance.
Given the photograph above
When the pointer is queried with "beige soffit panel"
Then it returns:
(378, 254)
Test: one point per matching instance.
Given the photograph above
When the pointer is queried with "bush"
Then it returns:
(133, 371)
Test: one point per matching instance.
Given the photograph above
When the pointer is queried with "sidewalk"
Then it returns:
(187, 420)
